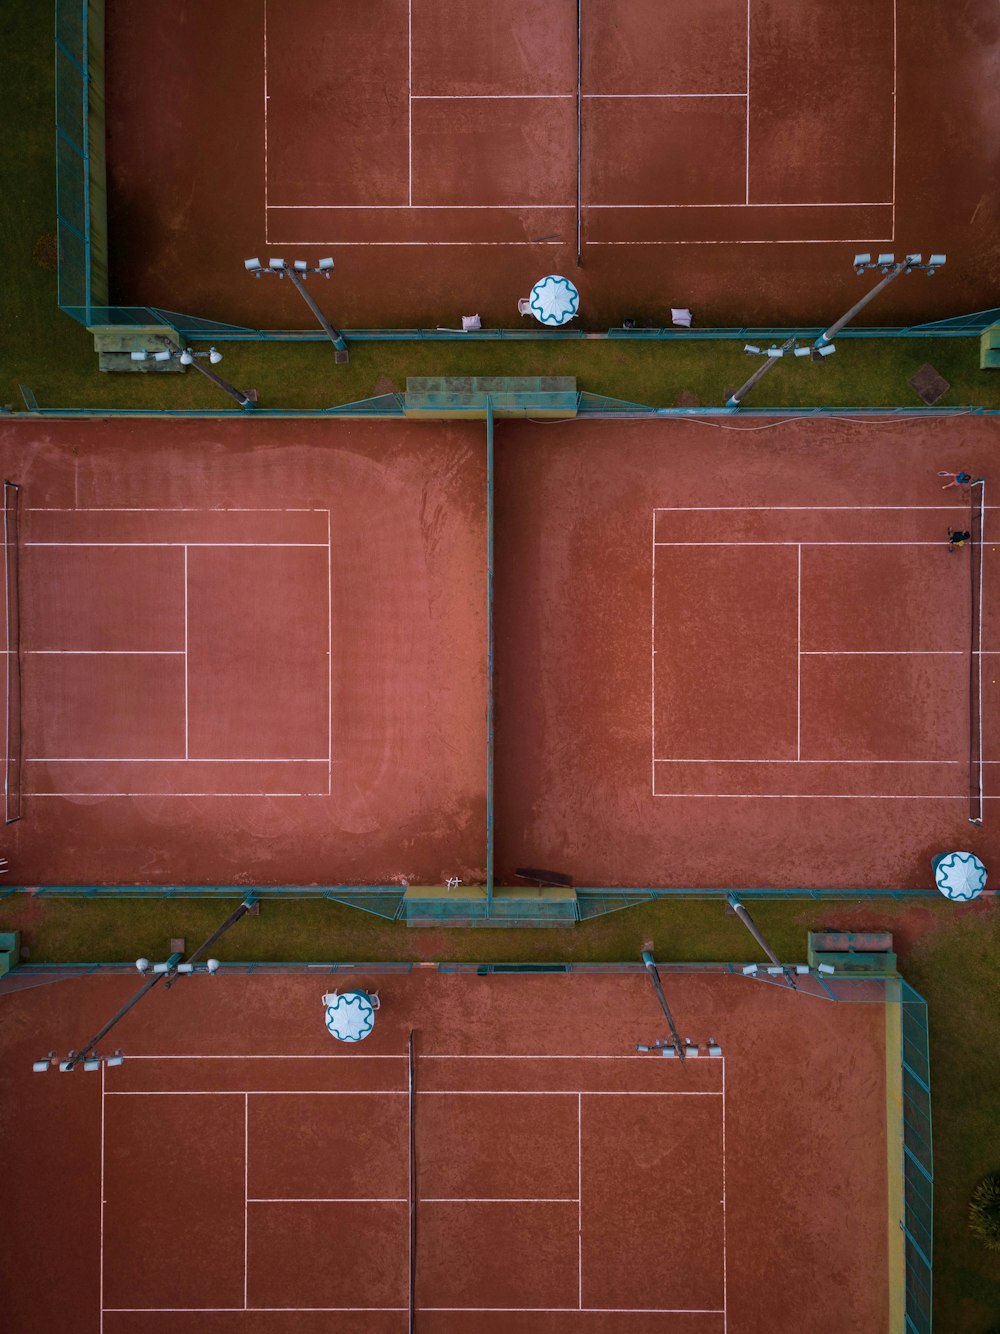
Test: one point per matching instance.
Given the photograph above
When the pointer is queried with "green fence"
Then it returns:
(918, 1164)
(81, 195)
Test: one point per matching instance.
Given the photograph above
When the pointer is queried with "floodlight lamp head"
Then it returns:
(752, 348)
(253, 266)
(326, 266)
(300, 266)
(885, 262)
(214, 357)
(826, 968)
(213, 966)
(827, 350)
(39, 1067)
(935, 262)
(861, 262)
(92, 1063)
(914, 261)
(142, 965)
(117, 1059)
(803, 351)
(186, 357)
(277, 266)
(750, 970)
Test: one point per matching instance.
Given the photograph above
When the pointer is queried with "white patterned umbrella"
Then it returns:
(554, 300)
(960, 876)
(351, 1017)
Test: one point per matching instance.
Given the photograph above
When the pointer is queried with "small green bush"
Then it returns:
(984, 1211)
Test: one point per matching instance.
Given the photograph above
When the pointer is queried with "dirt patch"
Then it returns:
(45, 252)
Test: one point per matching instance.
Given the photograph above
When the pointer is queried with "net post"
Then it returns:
(976, 563)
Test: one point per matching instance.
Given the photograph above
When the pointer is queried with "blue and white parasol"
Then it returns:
(554, 300)
(960, 876)
(351, 1016)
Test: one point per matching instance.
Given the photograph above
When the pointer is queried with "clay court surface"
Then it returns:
(254, 1176)
(256, 652)
(734, 155)
(251, 654)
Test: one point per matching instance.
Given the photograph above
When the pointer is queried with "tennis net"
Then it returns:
(977, 521)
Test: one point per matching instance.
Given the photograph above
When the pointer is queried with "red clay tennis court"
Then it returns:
(729, 155)
(249, 654)
(256, 652)
(242, 1172)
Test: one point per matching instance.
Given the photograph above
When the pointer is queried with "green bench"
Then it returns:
(10, 950)
(989, 348)
(853, 952)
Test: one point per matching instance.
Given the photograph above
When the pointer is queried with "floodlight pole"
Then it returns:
(334, 335)
(248, 905)
(738, 395)
(75, 1059)
(241, 398)
(654, 977)
(753, 928)
(168, 973)
(828, 335)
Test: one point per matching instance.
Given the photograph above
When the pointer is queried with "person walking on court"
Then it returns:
(957, 538)
(957, 479)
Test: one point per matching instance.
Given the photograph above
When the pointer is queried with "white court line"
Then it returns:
(31, 793)
(186, 745)
(106, 652)
(438, 208)
(166, 759)
(185, 545)
(331, 1199)
(492, 97)
(579, 1195)
(846, 203)
(245, 1093)
(409, 99)
(766, 509)
(461, 208)
(746, 199)
(100, 1266)
(218, 1310)
(815, 796)
(571, 1093)
(798, 655)
(882, 653)
(803, 544)
(894, 16)
(982, 568)
(725, 1295)
(246, 1172)
(587, 1310)
(652, 662)
(306, 1056)
(266, 99)
(474, 1310)
(170, 509)
(610, 97)
(329, 655)
(689, 760)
